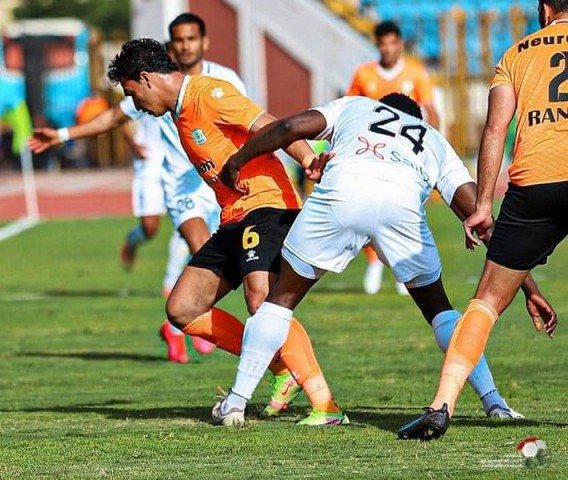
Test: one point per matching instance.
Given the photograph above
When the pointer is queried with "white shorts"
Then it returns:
(346, 211)
(188, 197)
(147, 190)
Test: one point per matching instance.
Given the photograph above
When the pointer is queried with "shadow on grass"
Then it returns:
(102, 293)
(393, 418)
(135, 357)
(90, 293)
(361, 417)
(118, 410)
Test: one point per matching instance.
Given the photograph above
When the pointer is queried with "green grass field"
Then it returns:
(85, 391)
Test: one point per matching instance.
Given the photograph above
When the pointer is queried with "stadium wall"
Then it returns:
(150, 18)
(292, 54)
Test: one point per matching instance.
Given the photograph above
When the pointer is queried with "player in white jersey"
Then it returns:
(386, 164)
(148, 202)
(190, 203)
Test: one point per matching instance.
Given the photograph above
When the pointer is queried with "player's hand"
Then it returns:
(480, 223)
(314, 170)
(43, 139)
(542, 313)
(230, 176)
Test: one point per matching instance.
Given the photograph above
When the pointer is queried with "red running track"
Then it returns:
(69, 194)
(82, 194)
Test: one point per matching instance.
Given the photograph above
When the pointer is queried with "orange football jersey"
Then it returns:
(536, 68)
(408, 76)
(214, 119)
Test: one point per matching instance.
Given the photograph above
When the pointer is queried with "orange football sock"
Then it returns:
(277, 366)
(466, 347)
(226, 331)
(219, 327)
(370, 254)
(298, 355)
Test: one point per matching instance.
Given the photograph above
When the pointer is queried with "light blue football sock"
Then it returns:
(136, 236)
(481, 378)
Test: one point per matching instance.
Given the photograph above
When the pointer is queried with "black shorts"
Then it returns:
(251, 245)
(533, 220)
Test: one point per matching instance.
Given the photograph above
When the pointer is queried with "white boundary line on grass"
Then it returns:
(30, 192)
(17, 227)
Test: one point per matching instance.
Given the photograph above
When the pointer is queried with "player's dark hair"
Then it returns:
(557, 5)
(187, 18)
(139, 55)
(384, 28)
(403, 103)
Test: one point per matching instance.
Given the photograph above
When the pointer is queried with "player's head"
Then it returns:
(140, 67)
(389, 42)
(188, 40)
(403, 103)
(549, 9)
(170, 50)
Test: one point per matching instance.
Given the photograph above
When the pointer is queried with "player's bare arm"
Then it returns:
(46, 138)
(540, 310)
(500, 112)
(128, 136)
(299, 149)
(270, 135)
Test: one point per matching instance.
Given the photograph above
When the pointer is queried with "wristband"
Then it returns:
(63, 134)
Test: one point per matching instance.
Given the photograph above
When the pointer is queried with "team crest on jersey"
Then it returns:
(217, 92)
(198, 136)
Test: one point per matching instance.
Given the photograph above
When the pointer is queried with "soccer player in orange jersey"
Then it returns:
(214, 120)
(531, 82)
(392, 73)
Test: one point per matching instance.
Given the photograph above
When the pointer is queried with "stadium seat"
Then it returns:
(419, 21)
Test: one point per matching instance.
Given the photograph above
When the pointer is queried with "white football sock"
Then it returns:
(265, 332)
(373, 277)
(178, 258)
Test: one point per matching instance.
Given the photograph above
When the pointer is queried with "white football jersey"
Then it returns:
(212, 69)
(148, 134)
(375, 139)
(176, 163)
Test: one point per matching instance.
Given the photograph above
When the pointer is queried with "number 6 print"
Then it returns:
(250, 239)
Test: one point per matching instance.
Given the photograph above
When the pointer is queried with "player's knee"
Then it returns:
(179, 313)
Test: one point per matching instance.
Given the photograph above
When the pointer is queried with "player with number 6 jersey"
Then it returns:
(214, 120)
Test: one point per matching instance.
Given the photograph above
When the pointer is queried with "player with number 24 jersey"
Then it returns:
(378, 180)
